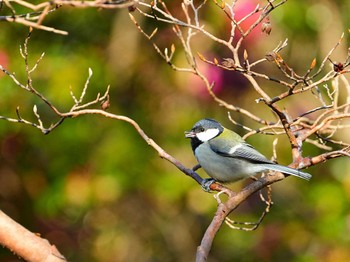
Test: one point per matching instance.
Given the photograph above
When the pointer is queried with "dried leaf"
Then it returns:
(279, 59)
(172, 48)
(338, 67)
(228, 62)
(153, 33)
(132, 8)
(271, 56)
(313, 64)
(201, 57)
(245, 55)
(105, 104)
(216, 61)
(266, 26)
(223, 4)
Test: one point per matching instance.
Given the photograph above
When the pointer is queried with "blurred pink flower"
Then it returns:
(228, 81)
(242, 9)
(214, 75)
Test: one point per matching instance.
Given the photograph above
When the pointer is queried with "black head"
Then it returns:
(204, 130)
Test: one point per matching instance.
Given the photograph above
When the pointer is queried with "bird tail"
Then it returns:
(289, 171)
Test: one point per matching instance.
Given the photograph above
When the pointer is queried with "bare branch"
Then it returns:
(23, 242)
(41, 10)
(317, 125)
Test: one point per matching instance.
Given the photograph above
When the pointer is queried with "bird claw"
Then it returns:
(206, 183)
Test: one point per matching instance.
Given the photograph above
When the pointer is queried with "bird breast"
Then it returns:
(224, 169)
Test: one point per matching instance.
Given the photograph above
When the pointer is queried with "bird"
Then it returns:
(226, 157)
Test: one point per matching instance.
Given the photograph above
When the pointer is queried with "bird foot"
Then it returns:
(206, 183)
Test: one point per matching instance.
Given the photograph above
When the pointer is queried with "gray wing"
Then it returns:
(245, 151)
(242, 150)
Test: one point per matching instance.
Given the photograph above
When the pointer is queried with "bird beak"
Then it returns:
(190, 134)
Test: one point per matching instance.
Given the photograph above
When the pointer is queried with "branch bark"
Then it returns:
(224, 209)
(28, 245)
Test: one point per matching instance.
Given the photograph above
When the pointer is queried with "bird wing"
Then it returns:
(240, 150)
(243, 150)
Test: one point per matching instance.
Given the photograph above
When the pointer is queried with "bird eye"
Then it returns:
(201, 129)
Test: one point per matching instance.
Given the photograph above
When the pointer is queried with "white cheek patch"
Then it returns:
(208, 134)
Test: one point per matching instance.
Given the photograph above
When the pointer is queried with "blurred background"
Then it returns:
(96, 190)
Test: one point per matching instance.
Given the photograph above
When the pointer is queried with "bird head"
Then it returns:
(205, 130)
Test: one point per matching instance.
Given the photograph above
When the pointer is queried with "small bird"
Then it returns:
(226, 157)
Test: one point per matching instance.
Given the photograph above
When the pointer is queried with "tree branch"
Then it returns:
(26, 244)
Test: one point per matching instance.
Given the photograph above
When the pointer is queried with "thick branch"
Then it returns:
(224, 209)
(28, 245)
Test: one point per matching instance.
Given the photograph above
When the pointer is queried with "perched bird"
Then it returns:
(226, 157)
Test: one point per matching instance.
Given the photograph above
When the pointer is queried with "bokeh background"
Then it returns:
(97, 191)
